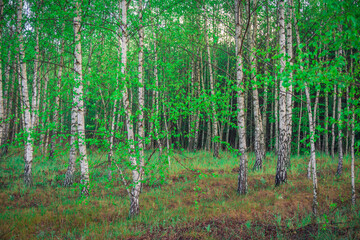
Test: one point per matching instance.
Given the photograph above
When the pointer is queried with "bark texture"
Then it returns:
(215, 136)
(281, 174)
(242, 179)
(79, 103)
(259, 133)
(29, 151)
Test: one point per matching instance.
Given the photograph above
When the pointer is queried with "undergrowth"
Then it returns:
(194, 198)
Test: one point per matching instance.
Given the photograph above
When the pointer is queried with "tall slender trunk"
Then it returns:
(8, 109)
(272, 124)
(352, 151)
(212, 86)
(56, 105)
(326, 134)
(2, 105)
(314, 127)
(266, 83)
(333, 126)
(289, 92)
(113, 119)
(197, 119)
(281, 167)
(79, 102)
(347, 122)
(299, 126)
(45, 114)
(311, 127)
(167, 135)
(242, 179)
(157, 94)
(312, 148)
(136, 172)
(141, 92)
(34, 105)
(29, 151)
(69, 176)
(340, 143)
(259, 133)
(276, 115)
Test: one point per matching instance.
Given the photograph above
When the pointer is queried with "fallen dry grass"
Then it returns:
(188, 204)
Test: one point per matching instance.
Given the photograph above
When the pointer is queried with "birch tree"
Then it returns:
(352, 151)
(333, 125)
(289, 92)
(29, 151)
(2, 103)
(283, 128)
(311, 125)
(259, 133)
(215, 135)
(242, 179)
(136, 172)
(141, 91)
(79, 102)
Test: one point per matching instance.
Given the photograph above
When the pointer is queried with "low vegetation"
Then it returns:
(195, 198)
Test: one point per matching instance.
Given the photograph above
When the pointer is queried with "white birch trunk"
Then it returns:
(259, 133)
(2, 105)
(326, 134)
(299, 126)
(333, 126)
(289, 92)
(242, 179)
(167, 135)
(44, 121)
(314, 128)
(347, 122)
(28, 155)
(34, 105)
(312, 148)
(281, 167)
(340, 163)
(311, 129)
(79, 102)
(212, 82)
(136, 172)
(141, 92)
(157, 94)
(54, 134)
(352, 151)
(197, 123)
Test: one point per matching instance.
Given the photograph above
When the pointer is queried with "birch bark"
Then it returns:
(214, 113)
(352, 151)
(281, 174)
(79, 102)
(141, 92)
(259, 133)
(56, 106)
(340, 163)
(326, 134)
(157, 94)
(311, 128)
(333, 125)
(136, 172)
(2, 105)
(29, 151)
(289, 92)
(299, 127)
(242, 179)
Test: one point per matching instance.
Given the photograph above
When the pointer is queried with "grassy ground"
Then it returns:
(194, 199)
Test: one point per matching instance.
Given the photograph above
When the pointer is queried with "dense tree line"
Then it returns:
(128, 76)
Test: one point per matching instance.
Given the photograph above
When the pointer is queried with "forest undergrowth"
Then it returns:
(195, 198)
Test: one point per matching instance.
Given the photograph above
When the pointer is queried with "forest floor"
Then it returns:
(195, 199)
